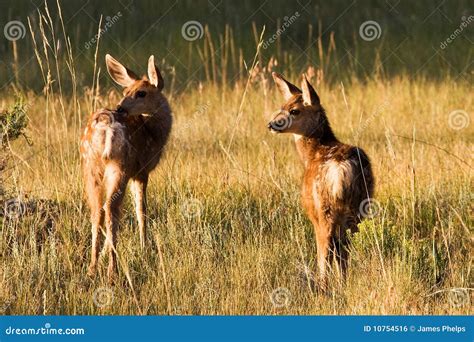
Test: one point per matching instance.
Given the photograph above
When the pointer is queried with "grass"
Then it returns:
(227, 234)
(229, 223)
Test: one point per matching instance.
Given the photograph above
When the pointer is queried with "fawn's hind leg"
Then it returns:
(342, 256)
(341, 245)
(139, 193)
(346, 227)
(323, 244)
(94, 196)
(115, 182)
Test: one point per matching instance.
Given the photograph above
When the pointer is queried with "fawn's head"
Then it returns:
(141, 96)
(302, 113)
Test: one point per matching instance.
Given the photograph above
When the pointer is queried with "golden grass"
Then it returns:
(228, 220)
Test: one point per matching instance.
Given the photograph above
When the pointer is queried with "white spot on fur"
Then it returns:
(297, 137)
(114, 140)
(339, 176)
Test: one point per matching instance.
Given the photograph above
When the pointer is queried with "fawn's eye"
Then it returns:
(140, 93)
(294, 112)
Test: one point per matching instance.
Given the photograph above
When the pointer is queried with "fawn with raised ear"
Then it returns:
(337, 177)
(121, 145)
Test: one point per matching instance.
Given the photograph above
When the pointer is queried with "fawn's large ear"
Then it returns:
(286, 88)
(120, 74)
(154, 75)
(309, 94)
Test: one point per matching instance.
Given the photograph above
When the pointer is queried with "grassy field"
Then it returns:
(227, 234)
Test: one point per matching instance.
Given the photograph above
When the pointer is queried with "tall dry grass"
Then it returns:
(227, 232)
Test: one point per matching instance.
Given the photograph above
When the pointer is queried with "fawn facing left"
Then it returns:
(337, 177)
(121, 145)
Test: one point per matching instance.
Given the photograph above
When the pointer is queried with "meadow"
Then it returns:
(227, 234)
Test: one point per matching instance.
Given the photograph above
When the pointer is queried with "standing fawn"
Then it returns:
(337, 177)
(122, 145)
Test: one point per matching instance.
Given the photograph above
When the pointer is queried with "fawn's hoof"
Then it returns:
(111, 274)
(92, 270)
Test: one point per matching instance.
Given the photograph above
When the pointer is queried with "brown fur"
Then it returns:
(337, 177)
(122, 145)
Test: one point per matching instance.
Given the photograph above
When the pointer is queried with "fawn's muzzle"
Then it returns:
(273, 128)
(280, 124)
(120, 110)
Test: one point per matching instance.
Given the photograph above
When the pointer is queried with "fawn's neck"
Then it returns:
(311, 147)
(157, 125)
(153, 120)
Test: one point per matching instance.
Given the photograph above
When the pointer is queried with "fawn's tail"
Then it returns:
(112, 133)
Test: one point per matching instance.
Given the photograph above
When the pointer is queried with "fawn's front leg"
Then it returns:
(323, 244)
(139, 193)
(115, 182)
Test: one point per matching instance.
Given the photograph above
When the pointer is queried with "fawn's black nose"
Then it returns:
(120, 109)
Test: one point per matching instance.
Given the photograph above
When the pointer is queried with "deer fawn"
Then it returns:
(120, 145)
(337, 177)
